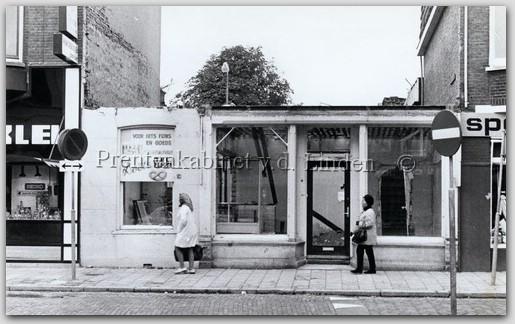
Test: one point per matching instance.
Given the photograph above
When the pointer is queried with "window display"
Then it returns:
(405, 179)
(33, 193)
(145, 175)
(147, 203)
(496, 164)
(251, 180)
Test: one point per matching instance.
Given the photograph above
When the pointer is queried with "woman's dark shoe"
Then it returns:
(370, 272)
(356, 271)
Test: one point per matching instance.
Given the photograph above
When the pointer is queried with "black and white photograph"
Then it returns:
(252, 160)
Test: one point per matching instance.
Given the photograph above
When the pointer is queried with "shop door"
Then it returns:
(393, 203)
(328, 208)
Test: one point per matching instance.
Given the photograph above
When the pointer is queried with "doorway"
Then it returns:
(328, 188)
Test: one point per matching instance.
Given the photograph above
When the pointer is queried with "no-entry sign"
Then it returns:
(72, 143)
(446, 132)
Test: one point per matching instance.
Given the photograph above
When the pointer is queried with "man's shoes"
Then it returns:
(370, 272)
(180, 270)
(191, 271)
(356, 271)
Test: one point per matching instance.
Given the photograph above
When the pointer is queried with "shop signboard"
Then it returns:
(68, 21)
(146, 154)
(35, 186)
(66, 49)
(483, 124)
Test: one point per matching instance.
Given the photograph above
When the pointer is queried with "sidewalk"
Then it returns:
(308, 279)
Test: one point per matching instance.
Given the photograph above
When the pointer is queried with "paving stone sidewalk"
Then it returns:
(313, 279)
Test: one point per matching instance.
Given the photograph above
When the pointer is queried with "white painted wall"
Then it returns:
(104, 241)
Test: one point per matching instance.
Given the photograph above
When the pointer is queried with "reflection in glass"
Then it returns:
(147, 203)
(405, 178)
(251, 180)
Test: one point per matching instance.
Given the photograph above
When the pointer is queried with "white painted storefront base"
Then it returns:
(407, 253)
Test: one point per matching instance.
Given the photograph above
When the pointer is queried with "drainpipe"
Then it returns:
(422, 79)
(465, 59)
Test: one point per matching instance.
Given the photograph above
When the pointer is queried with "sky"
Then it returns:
(330, 55)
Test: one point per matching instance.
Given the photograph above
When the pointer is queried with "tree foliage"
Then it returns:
(252, 81)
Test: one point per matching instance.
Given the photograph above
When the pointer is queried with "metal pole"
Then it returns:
(259, 197)
(452, 240)
(73, 225)
(497, 213)
(227, 90)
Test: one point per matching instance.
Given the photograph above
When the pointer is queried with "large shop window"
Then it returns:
(497, 57)
(496, 165)
(33, 203)
(405, 181)
(251, 180)
(145, 173)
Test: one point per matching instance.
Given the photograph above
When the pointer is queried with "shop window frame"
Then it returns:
(495, 160)
(495, 62)
(217, 200)
(378, 203)
(141, 228)
(18, 57)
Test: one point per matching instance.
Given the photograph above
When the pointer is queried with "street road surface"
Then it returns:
(123, 303)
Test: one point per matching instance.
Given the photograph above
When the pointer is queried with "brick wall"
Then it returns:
(444, 62)
(478, 51)
(442, 75)
(40, 25)
(122, 51)
(485, 87)
(117, 70)
(497, 87)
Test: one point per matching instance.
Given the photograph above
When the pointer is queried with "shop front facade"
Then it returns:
(271, 187)
(38, 196)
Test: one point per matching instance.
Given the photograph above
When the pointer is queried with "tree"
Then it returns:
(252, 81)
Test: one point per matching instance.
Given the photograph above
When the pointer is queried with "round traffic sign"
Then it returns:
(72, 143)
(446, 133)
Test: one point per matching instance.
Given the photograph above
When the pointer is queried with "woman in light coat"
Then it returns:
(367, 220)
(187, 235)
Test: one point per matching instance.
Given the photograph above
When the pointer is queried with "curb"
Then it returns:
(354, 293)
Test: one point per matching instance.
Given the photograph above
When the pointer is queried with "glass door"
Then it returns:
(328, 208)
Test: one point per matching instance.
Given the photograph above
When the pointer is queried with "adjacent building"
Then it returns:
(463, 56)
(61, 61)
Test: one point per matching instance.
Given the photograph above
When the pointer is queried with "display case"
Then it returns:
(34, 213)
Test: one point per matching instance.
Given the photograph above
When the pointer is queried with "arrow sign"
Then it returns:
(69, 166)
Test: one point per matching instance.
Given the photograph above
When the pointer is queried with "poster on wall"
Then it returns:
(146, 154)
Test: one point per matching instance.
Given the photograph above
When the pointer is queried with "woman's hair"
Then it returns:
(369, 200)
(184, 199)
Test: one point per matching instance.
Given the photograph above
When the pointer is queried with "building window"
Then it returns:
(13, 33)
(405, 181)
(497, 58)
(496, 165)
(147, 203)
(145, 173)
(251, 181)
(34, 212)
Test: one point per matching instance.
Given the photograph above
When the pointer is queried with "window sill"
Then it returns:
(251, 237)
(137, 230)
(411, 241)
(495, 68)
(14, 63)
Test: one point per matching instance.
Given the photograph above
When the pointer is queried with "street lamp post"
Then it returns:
(225, 69)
